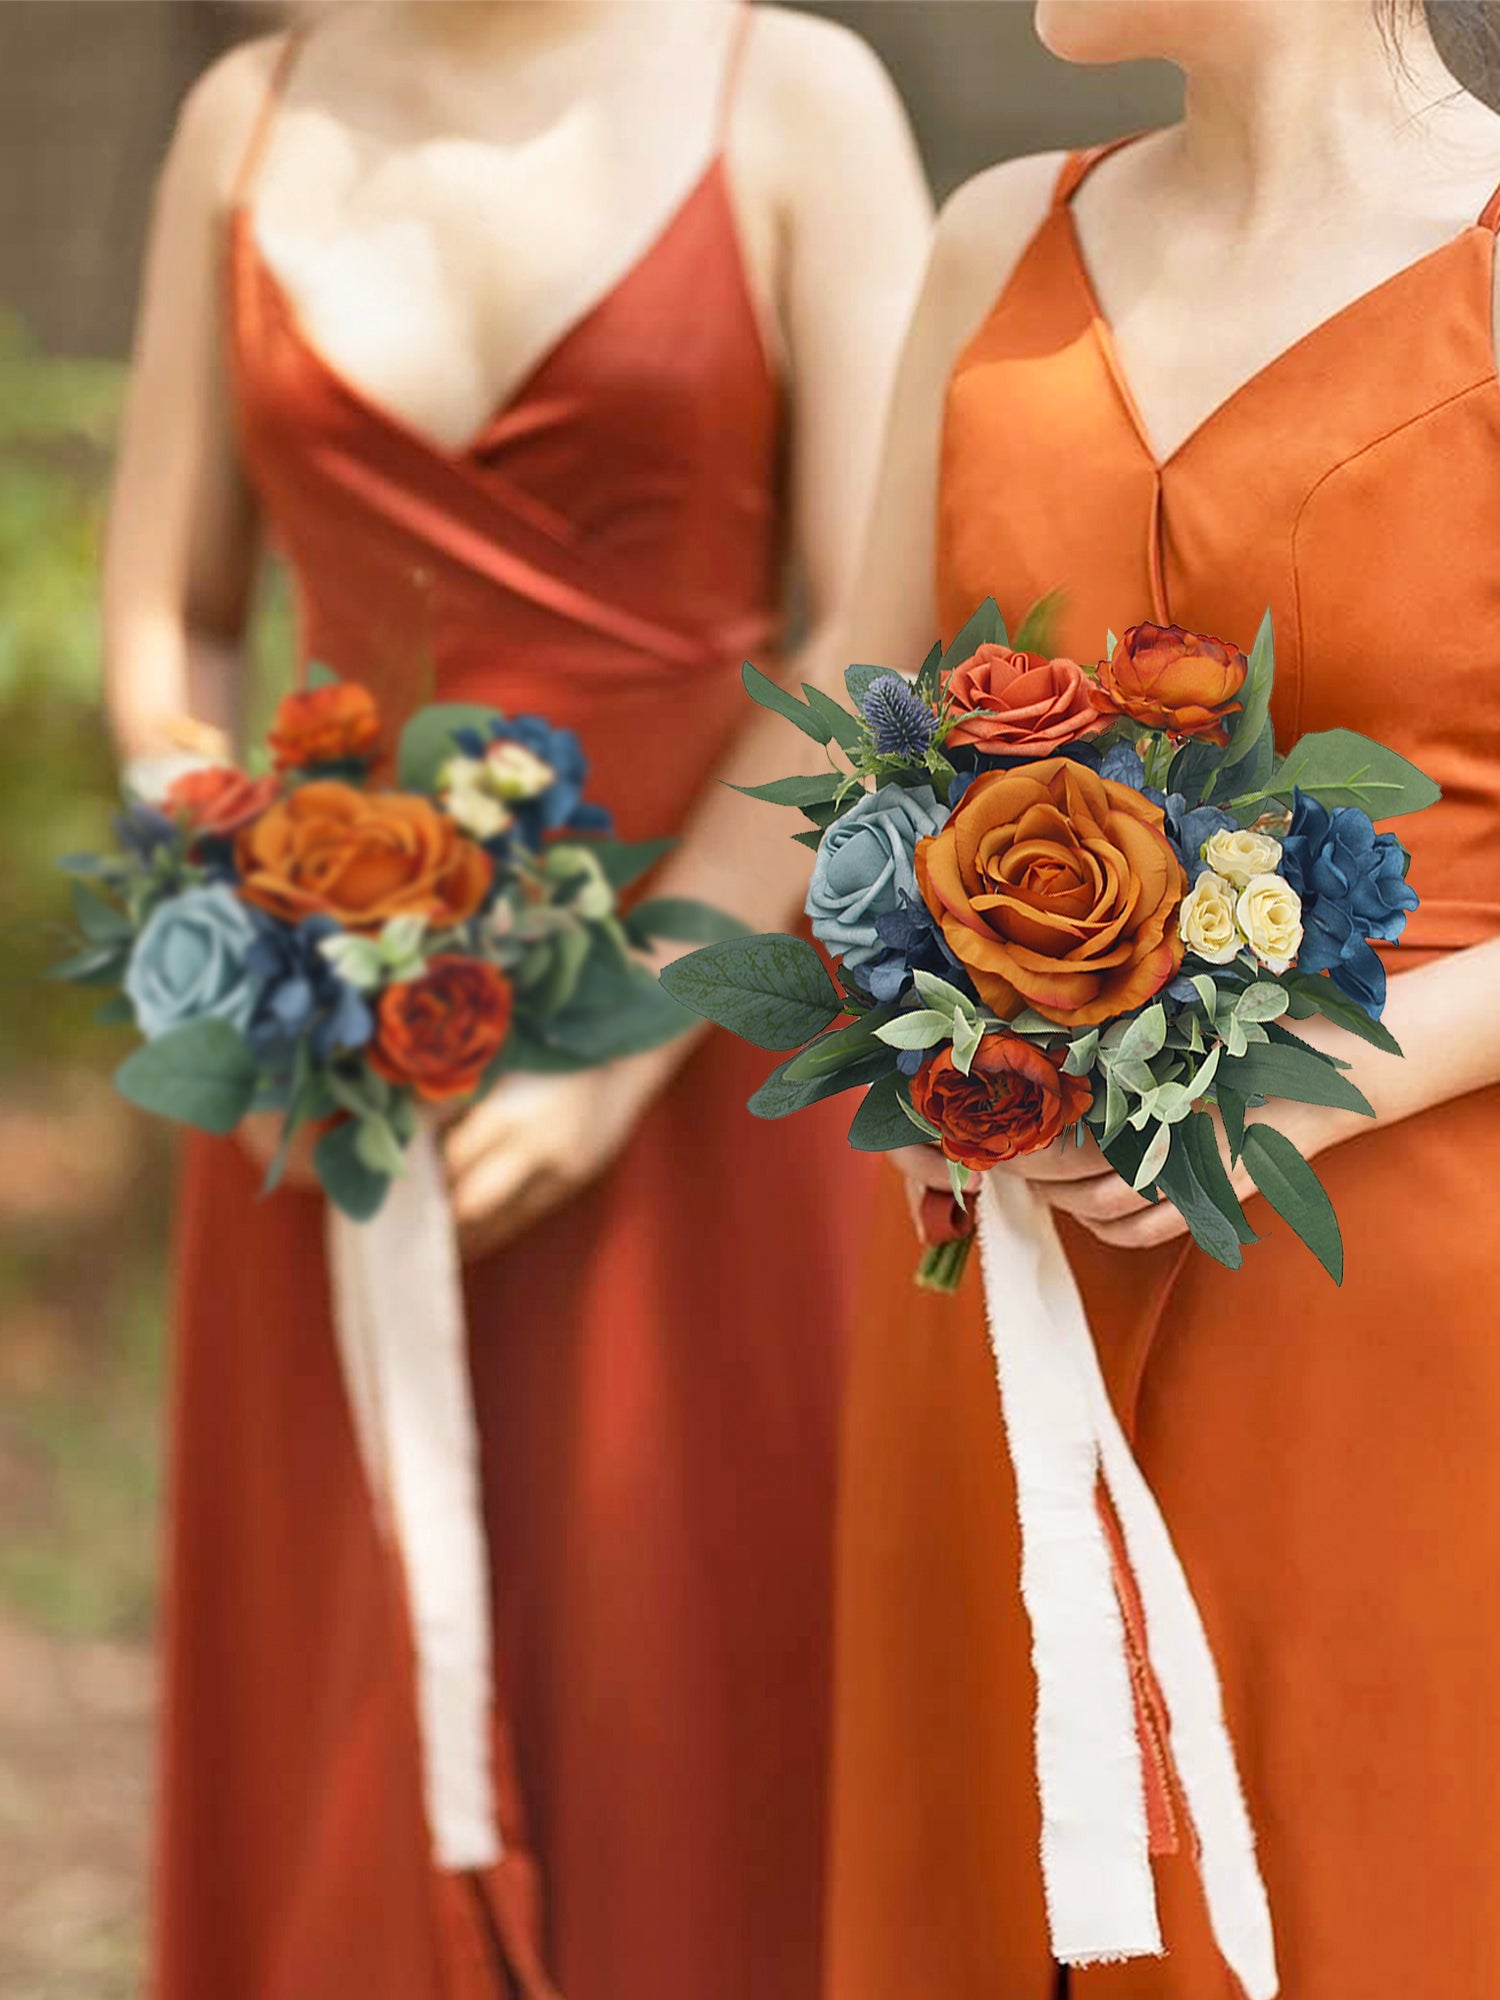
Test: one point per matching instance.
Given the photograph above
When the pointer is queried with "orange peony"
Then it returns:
(1026, 706)
(1056, 889)
(1015, 1099)
(218, 800)
(361, 858)
(335, 724)
(1169, 679)
(440, 1033)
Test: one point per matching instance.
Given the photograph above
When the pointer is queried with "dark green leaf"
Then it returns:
(1339, 767)
(774, 991)
(1297, 1195)
(427, 741)
(1194, 769)
(1316, 993)
(930, 675)
(1232, 1111)
(1037, 631)
(849, 731)
(880, 1124)
(778, 1098)
(1299, 1074)
(683, 921)
(101, 965)
(985, 628)
(770, 694)
(116, 1012)
(813, 838)
(796, 791)
(1196, 1138)
(1212, 1229)
(316, 675)
(349, 1184)
(860, 679)
(626, 861)
(1255, 697)
(616, 1010)
(101, 922)
(201, 1074)
(838, 1049)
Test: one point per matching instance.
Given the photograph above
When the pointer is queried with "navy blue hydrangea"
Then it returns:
(1187, 827)
(910, 942)
(561, 808)
(902, 724)
(1353, 887)
(142, 831)
(301, 994)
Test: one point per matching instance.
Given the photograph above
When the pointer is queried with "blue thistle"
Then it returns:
(901, 722)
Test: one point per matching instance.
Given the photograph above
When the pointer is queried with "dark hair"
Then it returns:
(1466, 34)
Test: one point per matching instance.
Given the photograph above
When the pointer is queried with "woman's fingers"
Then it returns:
(923, 1165)
(1063, 1160)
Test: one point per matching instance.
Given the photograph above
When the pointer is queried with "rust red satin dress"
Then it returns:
(656, 1365)
(1329, 1460)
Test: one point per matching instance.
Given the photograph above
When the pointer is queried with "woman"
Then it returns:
(1248, 360)
(493, 316)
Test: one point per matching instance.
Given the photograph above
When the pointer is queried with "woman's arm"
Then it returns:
(181, 542)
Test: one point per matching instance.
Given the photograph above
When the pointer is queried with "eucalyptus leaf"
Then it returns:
(771, 694)
(1151, 1160)
(427, 741)
(1298, 1074)
(684, 921)
(773, 990)
(378, 1148)
(201, 1074)
(348, 1182)
(941, 994)
(1297, 1195)
(839, 1048)
(922, 1028)
(850, 732)
(778, 1097)
(1211, 1228)
(1339, 767)
(622, 862)
(1198, 1141)
(859, 680)
(1264, 1001)
(1146, 1034)
(967, 1036)
(1318, 994)
(914, 1117)
(1081, 1053)
(101, 922)
(881, 1123)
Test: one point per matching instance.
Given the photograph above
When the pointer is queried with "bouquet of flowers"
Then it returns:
(323, 942)
(1063, 899)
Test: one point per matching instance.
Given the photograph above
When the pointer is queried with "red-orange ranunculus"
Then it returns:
(440, 1033)
(1165, 678)
(361, 858)
(218, 800)
(334, 724)
(1056, 889)
(1014, 1100)
(1026, 706)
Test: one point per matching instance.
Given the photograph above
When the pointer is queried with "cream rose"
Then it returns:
(1239, 855)
(1269, 912)
(1206, 920)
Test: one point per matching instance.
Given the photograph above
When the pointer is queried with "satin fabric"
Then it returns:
(1326, 1458)
(656, 1365)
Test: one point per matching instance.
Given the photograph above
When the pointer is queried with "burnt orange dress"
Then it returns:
(656, 1365)
(1328, 1460)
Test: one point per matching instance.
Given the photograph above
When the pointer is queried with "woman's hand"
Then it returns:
(536, 1141)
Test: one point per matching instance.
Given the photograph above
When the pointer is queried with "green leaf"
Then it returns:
(968, 1033)
(1152, 1158)
(779, 1098)
(925, 1126)
(378, 1148)
(860, 679)
(840, 1048)
(349, 1184)
(1081, 1053)
(1037, 631)
(1319, 995)
(770, 694)
(100, 965)
(850, 732)
(1116, 1109)
(1207, 992)
(100, 921)
(116, 1012)
(812, 838)
(200, 1074)
(684, 921)
(316, 675)
(942, 995)
(880, 1124)
(774, 990)
(616, 1010)
(625, 861)
(1299, 1074)
(1297, 1195)
(1255, 697)
(1198, 1142)
(1146, 1035)
(427, 741)
(1212, 1230)
(821, 790)
(985, 628)
(565, 956)
(1232, 1113)
(929, 681)
(1264, 1001)
(922, 1028)
(1339, 767)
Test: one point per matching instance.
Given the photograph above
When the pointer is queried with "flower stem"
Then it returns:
(943, 1266)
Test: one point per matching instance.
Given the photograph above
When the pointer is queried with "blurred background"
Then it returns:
(88, 93)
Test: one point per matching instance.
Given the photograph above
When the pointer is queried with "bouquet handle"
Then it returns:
(1067, 1445)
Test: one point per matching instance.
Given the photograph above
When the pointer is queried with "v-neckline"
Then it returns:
(1109, 347)
(532, 375)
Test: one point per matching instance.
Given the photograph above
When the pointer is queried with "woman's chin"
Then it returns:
(1105, 31)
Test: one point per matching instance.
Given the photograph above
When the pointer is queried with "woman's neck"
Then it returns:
(1305, 102)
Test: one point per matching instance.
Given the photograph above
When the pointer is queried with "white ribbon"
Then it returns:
(398, 1315)
(1064, 1439)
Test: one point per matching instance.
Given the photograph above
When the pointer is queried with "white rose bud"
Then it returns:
(1269, 912)
(514, 772)
(1206, 920)
(469, 800)
(1239, 856)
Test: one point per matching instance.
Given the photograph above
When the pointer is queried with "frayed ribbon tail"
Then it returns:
(1065, 1443)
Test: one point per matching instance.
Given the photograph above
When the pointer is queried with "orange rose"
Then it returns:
(1174, 680)
(440, 1033)
(334, 724)
(1026, 706)
(361, 858)
(218, 800)
(1014, 1100)
(1056, 889)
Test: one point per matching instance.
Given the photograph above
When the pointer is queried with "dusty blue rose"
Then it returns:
(864, 868)
(189, 962)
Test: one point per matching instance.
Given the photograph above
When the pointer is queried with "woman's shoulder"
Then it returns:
(983, 230)
(220, 114)
(817, 74)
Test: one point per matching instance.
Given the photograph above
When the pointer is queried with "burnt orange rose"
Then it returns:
(335, 724)
(218, 800)
(440, 1033)
(1025, 706)
(361, 858)
(1169, 679)
(1056, 889)
(1014, 1100)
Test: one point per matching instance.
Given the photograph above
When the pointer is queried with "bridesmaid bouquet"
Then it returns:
(1063, 899)
(316, 941)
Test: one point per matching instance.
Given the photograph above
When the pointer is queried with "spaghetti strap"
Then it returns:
(734, 62)
(1077, 167)
(1490, 217)
(265, 117)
